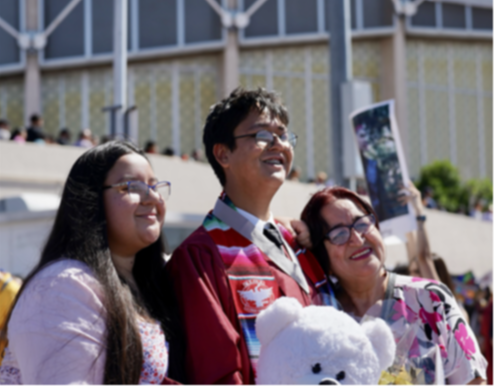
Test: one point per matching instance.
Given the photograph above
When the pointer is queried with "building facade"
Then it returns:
(177, 69)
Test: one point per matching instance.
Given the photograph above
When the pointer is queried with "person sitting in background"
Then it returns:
(9, 287)
(197, 155)
(150, 147)
(346, 240)
(428, 200)
(19, 135)
(35, 131)
(488, 214)
(64, 137)
(85, 139)
(4, 130)
(96, 308)
(295, 174)
(169, 151)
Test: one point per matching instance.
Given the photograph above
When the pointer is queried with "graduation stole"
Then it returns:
(251, 281)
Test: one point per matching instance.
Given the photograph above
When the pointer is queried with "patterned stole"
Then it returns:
(251, 281)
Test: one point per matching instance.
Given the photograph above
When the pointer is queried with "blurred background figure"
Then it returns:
(85, 139)
(64, 137)
(295, 174)
(321, 179)
(488, 214)
(35, 131)
(169, 151)
(184, 156)
(19, 135)
(150, 147)
(9, 287)
(197, 155)
(4, 130)
(428, 200)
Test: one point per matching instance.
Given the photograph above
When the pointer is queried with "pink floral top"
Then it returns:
(155, 354)
(423, 314)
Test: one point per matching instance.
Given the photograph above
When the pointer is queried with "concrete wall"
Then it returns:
(465, 243)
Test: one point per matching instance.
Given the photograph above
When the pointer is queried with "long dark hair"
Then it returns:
(80, 233)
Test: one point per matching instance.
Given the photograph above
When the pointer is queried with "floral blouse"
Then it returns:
(155, 354)
(424, 317)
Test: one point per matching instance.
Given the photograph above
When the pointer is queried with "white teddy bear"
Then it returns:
(320, 345)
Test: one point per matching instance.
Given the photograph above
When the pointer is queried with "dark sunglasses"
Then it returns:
(339, 235)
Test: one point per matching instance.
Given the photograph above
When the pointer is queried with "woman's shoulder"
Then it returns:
(421, 286)
(63, 287)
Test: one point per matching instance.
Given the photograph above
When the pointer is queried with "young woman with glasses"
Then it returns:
(346, 240)
(96, 308)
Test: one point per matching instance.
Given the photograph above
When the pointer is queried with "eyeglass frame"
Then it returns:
(273, 137)
(352, 226)
(116, 185)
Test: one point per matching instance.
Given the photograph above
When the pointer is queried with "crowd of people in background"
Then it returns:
(86, 139)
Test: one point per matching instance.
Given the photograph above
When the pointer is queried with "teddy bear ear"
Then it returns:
(276, 317)
(382, 340)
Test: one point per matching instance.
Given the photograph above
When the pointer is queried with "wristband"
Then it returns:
(421, 218)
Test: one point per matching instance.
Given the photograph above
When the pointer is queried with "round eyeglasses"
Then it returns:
(269, 137)
(162, 188)
(341, 234)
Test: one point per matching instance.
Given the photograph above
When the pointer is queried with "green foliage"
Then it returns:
(448, 189)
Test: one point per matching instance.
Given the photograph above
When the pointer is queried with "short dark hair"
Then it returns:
(4, 122)
(227, 114)
(34, 118)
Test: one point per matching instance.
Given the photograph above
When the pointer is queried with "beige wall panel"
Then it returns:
(97, 100)
(12, 101)
(412, 61)
(488, 112)
(366, 63)
(437, 128)
(51, 103)
(163, 110)
(187, 121)
(142, 97)
(298, 122)
(321, 126)
(73, 102)
(435, 64)
(414, 157)
(467, 136)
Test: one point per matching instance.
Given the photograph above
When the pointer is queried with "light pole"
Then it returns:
(119, 65)
(339, 15)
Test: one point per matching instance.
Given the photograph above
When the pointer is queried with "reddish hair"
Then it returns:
(318, 227)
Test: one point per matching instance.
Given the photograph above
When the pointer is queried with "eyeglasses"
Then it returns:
(341, 234)
(162, 188)
(269, 137)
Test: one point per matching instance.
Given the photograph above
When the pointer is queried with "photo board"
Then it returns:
(384, 166)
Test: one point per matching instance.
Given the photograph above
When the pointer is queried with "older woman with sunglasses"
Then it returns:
(346, 240)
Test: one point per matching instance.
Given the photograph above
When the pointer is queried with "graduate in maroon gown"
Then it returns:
(241, 260)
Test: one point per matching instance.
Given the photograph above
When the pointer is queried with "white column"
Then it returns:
(32, 78)
(231, 57)
(152, 85)
(120, 61)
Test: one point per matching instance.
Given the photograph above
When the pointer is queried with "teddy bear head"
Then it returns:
(320, 345)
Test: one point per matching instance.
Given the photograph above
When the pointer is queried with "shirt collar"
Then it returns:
(258, 223)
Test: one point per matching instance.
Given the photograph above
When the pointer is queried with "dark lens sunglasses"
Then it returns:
(339, 235)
